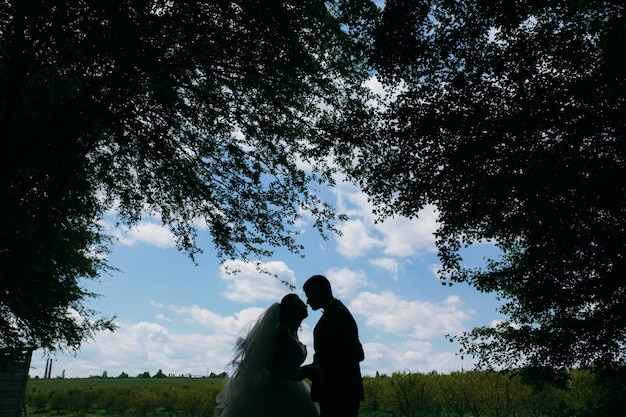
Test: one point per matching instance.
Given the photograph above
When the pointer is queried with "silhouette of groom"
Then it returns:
(335, 373)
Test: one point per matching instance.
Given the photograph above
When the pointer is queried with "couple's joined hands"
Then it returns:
(311, 371)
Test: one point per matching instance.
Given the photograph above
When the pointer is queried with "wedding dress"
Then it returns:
(252, 390)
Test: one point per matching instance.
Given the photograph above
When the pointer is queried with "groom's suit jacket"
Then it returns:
(338, 352)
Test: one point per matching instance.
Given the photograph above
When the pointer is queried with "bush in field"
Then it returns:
(374, 395)
(108, 399)
(115, 400)
(478, 393)
(588, 394)
(84, 399)
(169, 398)
(409, 394)
(403, 394)
(199, 401)
(60, 400)
(483, 393)
(144, 401)
(38, 400)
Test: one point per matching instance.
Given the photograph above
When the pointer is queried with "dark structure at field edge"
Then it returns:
(14, 365)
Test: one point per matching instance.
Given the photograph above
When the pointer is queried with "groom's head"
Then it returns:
(318, 291)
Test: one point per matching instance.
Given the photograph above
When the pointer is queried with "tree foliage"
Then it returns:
(190, 111)
(508, 117)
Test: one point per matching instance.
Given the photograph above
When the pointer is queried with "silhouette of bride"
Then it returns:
(266, 381)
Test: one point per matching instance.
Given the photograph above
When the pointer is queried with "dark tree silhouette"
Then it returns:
(509, 118)
(186, 110)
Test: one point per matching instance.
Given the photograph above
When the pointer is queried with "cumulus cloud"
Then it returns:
(399, 237)
(410, 356)
(144, 346)
(346, 282)
(146, 232)
(355, 239)
(390, 265)
(162, 316)
(354, 202)
(405, 237)
(141, 347)
(246, 283)
(410, 318)
(206, 343)
(218, 324)
(373, 84)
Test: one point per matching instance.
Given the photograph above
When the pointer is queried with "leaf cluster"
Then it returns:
(508, 118)
(207, 115)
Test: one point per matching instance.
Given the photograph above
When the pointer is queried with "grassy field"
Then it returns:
(402, 393)
(71, 383)
(128, 397)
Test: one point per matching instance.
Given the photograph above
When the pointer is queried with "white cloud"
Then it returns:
(206, 344)
(410, 318)
(346, 282)
(144, 346)
(355, 240)
(146, 232)
(163, 317)
(405, 237)
(247, 284)
(387, 264)
(354, 202)
(374, 85)
(229, 325)
(411, 356)
(397, 237)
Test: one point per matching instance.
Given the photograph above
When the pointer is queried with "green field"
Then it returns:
(128, 397)
(97, 383)
(401, 394)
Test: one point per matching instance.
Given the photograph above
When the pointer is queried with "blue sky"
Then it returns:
(183, 318)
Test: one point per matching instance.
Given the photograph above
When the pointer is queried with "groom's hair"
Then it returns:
(319, 284)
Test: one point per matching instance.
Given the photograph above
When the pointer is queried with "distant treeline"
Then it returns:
(145, 374)
(402, 394)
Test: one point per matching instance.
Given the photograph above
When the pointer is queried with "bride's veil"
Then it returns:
(251, 360)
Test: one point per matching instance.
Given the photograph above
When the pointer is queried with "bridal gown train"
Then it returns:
(252, 391)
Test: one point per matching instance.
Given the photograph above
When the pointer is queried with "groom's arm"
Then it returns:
(340, 346)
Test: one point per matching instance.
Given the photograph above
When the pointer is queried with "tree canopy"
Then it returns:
(191, 111)
(505, 116)
(508, 117)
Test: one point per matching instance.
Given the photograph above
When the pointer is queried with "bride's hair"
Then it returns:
(285, 303)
